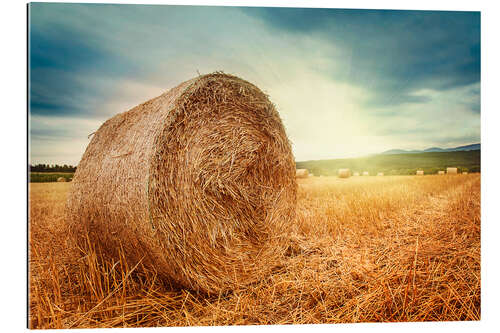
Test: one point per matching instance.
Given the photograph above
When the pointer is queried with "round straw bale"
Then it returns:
(420, 172)
(380, 174)
(344, 173)
(440, 172)
(302, 173)
(197, 184)
(365, 173)
(464, 173)
(61, 180)
(451, 171)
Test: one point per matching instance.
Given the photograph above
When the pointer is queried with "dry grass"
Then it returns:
(362, 249)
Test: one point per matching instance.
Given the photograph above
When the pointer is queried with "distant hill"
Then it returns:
(475, 146)
(399, 164)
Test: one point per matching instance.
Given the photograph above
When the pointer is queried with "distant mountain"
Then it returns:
(475, 146)
(434, 150)
(395, 151)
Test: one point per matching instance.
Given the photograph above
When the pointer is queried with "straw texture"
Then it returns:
(452, 171)
(198, 184)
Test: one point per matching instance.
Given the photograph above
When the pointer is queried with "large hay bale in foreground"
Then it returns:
(344, 173)
(197, 184)
(61, 180)
(440, 172)
(451, 171)
(420, 172)
(302, 173)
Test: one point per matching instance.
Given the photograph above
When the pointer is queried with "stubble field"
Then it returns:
(363, 249)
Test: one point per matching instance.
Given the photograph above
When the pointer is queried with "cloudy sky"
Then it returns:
(346, 82)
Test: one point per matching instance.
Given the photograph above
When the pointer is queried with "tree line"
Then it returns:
(51, 168)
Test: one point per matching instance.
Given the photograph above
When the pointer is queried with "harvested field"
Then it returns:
(365, 249)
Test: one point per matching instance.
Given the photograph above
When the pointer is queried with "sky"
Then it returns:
(346, 83)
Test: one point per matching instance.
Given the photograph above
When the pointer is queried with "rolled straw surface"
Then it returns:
(198, 184)
(302, 173)
(344, 173)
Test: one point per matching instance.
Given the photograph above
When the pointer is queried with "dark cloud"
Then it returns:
(393, 53)
(60, 56)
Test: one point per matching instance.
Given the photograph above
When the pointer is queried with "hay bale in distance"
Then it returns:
(344, 173)
(464, 173)
(197, 184)
(356, 174)
(440, 172)
(380, 174)
(420, 172)
(451, 171)
(61, 179)
(301, 173)
(365, 173)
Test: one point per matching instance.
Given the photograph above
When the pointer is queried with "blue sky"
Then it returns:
(346, 82)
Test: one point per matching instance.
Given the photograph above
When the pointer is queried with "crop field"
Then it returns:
(362, 249)
(46, 177)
